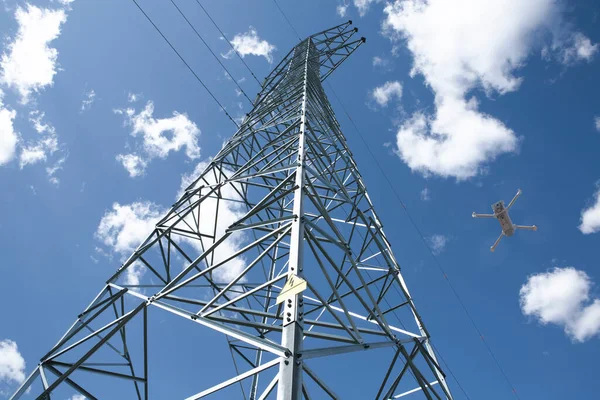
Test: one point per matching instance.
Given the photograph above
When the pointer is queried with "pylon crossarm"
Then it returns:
(322, 36)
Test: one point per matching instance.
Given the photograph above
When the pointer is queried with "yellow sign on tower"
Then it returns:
(294, 285)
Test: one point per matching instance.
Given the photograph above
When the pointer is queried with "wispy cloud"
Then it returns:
(39, 150)
(87, 102)
(570, 48)
(363, 6)
(57, 166)
(341, 10)
(438, 243)
(383, 94)
(381, 63)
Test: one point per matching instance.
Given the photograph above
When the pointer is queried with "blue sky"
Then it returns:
(461, 103)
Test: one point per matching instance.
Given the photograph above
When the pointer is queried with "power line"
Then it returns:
(438, 264)
(186, 64)
(228, 42)
(288, 21)
(211, 52)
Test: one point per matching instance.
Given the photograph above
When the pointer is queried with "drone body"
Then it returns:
(501, 214)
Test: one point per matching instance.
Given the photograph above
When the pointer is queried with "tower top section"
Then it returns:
(333, 47)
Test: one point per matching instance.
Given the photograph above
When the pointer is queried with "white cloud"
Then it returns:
(458, 47)
(561, 297)
(86, 104)
(363, 5)
(425, 195)
(77, 396)
(438, 243)
(29, 63)
(250, 44)
(8, 136)
(133, 163)
(597, 123)
(341, 10)
(590, 217)
(467, 45)
(159, 137)
(385, 93)
(12, 364)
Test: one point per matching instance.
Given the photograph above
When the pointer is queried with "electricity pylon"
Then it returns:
(277, 246)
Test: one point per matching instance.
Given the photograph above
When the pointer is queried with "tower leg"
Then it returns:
(290, 369)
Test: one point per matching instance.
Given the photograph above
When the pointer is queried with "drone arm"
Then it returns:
(514, 199)
(475, 215)
(496, 242)
(529, 228)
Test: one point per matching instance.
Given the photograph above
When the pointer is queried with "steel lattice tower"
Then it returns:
(277, 246)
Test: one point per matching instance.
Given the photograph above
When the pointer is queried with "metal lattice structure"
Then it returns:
(281, 205)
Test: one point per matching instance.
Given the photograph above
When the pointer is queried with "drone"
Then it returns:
(501, 214)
